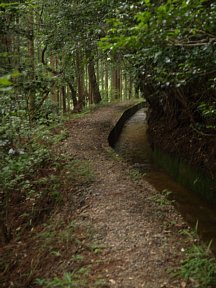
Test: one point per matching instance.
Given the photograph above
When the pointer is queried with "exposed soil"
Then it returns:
(112, 225)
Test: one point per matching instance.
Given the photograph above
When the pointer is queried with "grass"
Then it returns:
(79, 171)
(71, 245)
(71, 280)
(135, 174)
(199, 266)
(163, 198)
(112, 154)
(68, 280)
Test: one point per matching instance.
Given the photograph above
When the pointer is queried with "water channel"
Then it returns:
(133, 146)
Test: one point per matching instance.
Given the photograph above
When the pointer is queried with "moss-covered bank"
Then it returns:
(194, 179)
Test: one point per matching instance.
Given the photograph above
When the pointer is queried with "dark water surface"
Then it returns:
(133, 146)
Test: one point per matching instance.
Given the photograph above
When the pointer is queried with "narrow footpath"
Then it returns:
(137, 230)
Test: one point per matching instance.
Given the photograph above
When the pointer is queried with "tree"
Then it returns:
(172, 49)
(72, 26)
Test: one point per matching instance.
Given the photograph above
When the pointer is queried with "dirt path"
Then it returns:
(140, 238)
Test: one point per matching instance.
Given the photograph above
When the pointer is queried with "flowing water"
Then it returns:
(133, 146)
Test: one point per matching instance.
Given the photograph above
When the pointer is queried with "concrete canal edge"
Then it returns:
(116, 131)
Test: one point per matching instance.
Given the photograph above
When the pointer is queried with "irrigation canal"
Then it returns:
(133, 146)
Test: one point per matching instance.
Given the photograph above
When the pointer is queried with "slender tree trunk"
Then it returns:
(5, 230)
(64, 105)
(68, 98)
(73, 95)
(98, 72)
(53, 94)
(93, 82)
(7, 43)
(91, 100)
(102, 77)
(130, 90)
(116, 82)
(31, 49)
(80, 81)
(86, 77)
(113, 83)
(125, 86)
(107, 81)
(120, 83)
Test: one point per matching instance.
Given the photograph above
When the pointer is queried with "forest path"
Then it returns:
(140, 238)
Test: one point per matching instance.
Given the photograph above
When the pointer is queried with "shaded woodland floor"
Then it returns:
(111, 229)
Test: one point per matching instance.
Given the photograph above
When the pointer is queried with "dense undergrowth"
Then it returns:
(28, 168)
(36, 182)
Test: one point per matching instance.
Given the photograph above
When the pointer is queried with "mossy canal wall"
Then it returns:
(194, 179)
(116, 131)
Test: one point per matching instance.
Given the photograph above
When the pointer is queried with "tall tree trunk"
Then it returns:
(73, 95)
(113, 83)
(125, 86)
(98, 72)
(102, 77)
(130, 90)
(93, 82)
(31, 49)
(120, 82)
(5, 229)
(116, 82)
(91, 100)
(68, 98)
(80, 81)
(53, 91)
(107, 81)
(64, 105)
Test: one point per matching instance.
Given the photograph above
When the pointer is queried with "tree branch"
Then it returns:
(200, 43)
(57, 73)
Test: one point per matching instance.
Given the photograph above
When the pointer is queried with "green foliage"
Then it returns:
(78, 278)
(77, 258)
(198, 267)
(163, 199)
(26, 154)
(57, 234)
(135, 174)
(69, 280)
(208, 112)
(79, 171)
(168, 41)
(171, 46)
(19, 167)
(5, 83)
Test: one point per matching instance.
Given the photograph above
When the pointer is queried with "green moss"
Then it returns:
(193, 179)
